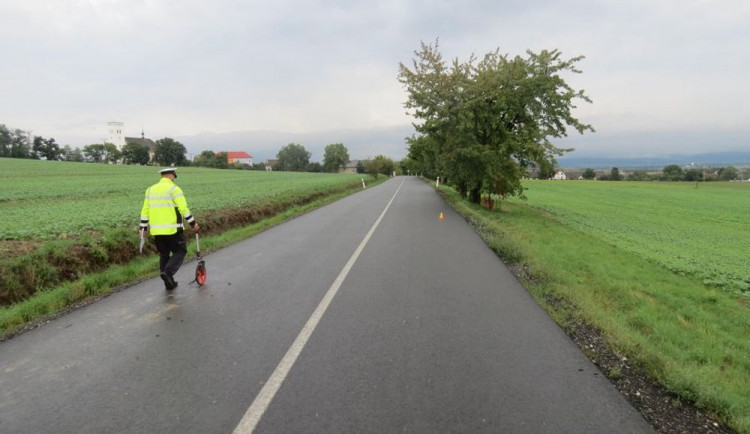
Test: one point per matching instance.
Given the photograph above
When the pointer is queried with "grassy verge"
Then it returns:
(690, 338)
(48, 303)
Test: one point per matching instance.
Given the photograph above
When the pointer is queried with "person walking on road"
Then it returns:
(164, 209)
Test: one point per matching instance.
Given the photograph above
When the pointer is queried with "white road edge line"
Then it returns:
(263, 400)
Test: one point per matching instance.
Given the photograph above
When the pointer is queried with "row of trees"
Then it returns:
(169, 152)
(294, 157)
(485, 124)
(17, 143)
(673, 172)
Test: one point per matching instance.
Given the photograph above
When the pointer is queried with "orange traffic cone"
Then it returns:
(442, 217)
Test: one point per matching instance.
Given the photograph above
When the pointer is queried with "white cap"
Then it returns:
(167, 170)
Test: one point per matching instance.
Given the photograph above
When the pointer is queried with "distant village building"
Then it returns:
(117, 138)
(150, 144)
(238, 157)
(560, 176)
(349, 167)
(574, 174)
(271, 163)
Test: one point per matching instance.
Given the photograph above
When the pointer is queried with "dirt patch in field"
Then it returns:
(14, 248)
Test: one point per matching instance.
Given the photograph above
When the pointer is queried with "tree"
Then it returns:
(135, 153)
(692, 174)
(52, 150)
(36, 147)
(111, 153)
(314, 167)
(94, 152)
(293, 157)
(19, 144)
(614, 174)
(336, 156)
(589, 173)
(361, 167)
(638, 175)
(672, 172)
(5, 140)
(728, 173)
(546, 169)
(169, 152)
(71, 154)
(210, 159)
(484, 124)
(380, 165)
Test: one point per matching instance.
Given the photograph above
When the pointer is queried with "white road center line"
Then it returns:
(263, 400)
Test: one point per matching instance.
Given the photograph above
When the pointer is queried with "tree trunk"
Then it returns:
(461, 187)
(474, 195)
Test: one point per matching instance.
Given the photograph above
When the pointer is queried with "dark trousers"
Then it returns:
(175, 245)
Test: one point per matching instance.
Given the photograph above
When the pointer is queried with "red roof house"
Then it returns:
(239, 157)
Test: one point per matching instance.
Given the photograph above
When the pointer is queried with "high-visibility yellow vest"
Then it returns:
(164, 208)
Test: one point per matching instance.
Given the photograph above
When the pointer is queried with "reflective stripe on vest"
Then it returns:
(178, 225)
(161, 205)
(159, 197)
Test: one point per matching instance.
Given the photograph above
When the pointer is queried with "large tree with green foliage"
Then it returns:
(672, 172)
(94, 152)
(335, 157)
(483, 124)
(728, 173)
(45, 149)
(111, 153)
(169, 152)
(135, 153)
(293, 157)
(589, 173)
(614, 174)
(20, 146)
(380, 165)
(211, 159)
(72, 154)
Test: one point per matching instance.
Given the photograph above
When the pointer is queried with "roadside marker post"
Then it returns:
(363, 182)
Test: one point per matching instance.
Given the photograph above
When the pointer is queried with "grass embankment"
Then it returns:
(691, 338)
(85, 216)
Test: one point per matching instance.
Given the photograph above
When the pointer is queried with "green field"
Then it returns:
(632, 260)
(699, 231)
(69, 231)
(43, 199)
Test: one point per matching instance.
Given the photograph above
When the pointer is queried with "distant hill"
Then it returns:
(718, 159)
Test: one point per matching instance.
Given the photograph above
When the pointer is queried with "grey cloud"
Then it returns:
(181, 67)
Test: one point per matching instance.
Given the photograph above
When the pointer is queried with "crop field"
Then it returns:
(597, 256)
(700, 231)
(44, 199)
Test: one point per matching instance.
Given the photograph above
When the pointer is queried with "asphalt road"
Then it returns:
(416, 327)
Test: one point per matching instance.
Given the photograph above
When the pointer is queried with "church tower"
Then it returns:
(115, 134)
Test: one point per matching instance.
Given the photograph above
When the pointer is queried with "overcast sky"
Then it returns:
(665, 76)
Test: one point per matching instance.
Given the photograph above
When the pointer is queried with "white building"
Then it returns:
(560, 176)
(115, 134)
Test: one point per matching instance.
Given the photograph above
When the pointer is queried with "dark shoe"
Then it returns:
(169, 283)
